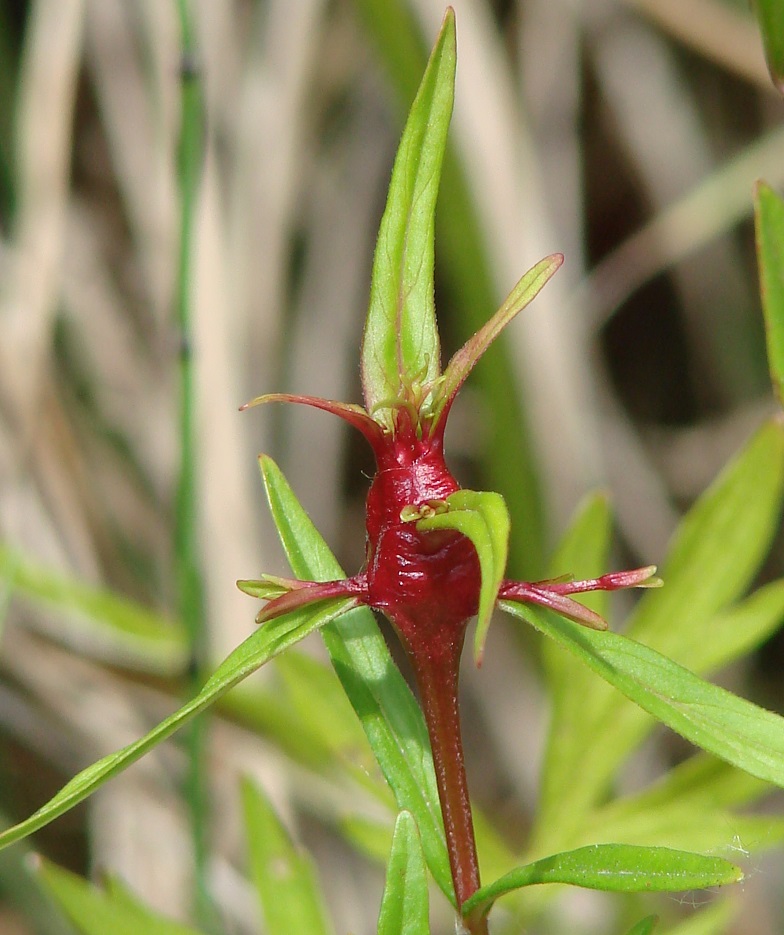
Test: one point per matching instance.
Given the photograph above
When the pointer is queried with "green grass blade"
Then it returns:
(712, 718)
(404, 907)
(401, 344)
(378, 693)
(645, 926)
(117, 627)
(285, 878)
(188, 572)
(770, 14)
(95, 912)
(261, 646)
(483, 518)
(769, 219)
(618, 868)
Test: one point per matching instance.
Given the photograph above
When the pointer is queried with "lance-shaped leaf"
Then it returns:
(712, 718)
(96, 912)
(770, 14)
(483, 518)
(463, 361)
(618, 868)
(400, 345)
(284, 876)
(715, 552)
(769, 215)
(404, 907)
(259, 648)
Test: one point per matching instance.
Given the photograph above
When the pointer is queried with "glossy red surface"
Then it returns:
(426, 583)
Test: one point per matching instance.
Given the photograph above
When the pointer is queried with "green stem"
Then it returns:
(190, 595)
(437, 677)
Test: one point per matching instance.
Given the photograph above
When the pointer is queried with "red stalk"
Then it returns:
(437, 676)
(428, 583)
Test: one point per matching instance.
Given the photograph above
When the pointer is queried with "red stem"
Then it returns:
(437, 680)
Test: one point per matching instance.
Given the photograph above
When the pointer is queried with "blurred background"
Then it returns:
(626, 134)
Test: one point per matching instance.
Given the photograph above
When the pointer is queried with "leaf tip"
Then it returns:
(251, 403)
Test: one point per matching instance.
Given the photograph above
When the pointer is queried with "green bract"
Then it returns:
(401, 347)
(484, 519)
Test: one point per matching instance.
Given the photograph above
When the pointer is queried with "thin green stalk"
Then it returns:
(190, 595)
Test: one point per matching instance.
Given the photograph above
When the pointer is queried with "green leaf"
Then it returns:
(401, 345)
(705, 829)
(583, 552)
(700, 783)
(718, 546)
(463, 361)
(118, 629)
(404, 907)
(736, 631)
(712, 718)
(285, 878)
(689, 808)
(644, 926)
(377, 691)
(95, 912)
(618, 868)
(715, 553)
(483, 518)
(770, 14)
(769, 220)
(260, 647)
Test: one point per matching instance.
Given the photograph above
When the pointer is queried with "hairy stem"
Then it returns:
(437, 679)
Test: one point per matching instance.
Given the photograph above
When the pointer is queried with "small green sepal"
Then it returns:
(484, 519)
